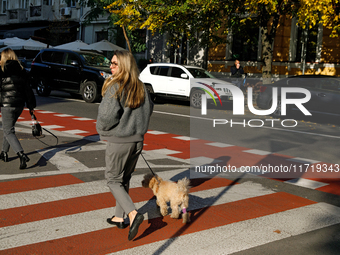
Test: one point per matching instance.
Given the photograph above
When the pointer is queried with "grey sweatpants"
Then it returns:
(121, 160)
(10, 116)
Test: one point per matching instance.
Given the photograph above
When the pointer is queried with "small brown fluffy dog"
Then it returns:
(168, 191)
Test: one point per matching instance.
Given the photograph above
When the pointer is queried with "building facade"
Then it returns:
(296, 51)
(50, 21)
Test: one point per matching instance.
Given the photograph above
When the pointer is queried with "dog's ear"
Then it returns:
(152, 182)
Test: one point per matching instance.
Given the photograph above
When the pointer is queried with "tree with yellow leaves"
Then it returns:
(204, 21)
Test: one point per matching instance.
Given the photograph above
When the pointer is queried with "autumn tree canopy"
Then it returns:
(204, 21)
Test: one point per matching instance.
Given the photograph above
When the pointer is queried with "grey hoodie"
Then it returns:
(119, 124)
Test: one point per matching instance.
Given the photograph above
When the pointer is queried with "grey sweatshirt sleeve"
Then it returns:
(109, 113)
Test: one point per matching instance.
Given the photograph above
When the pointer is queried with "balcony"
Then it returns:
(40, 12)
(15, 16)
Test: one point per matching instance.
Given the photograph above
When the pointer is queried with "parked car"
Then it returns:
(70, 71)
(325, 93)
(173, 81)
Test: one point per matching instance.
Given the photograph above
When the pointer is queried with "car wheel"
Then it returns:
(89, 92)
(42, 88)
(196, 98)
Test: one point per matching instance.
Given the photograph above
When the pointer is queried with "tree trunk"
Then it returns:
(127, 39)
(267, 56)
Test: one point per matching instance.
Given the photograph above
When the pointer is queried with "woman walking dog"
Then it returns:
(123, 119)
(15, 92)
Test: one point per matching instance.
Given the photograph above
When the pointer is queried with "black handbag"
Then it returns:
(36, 128)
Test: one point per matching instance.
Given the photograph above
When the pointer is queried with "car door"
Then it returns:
(57, 61)
(70, 72)
(52, 60)
(329, 96)
(160, 79)
(176, 84)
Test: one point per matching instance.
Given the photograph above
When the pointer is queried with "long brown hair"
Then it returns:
(8, 54)
(126, 77)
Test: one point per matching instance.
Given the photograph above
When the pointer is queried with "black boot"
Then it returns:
(4, 156)
(23, 159)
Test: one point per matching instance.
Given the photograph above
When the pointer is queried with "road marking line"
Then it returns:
(75, 131)
(221, 145)
(303, 160)
(258, 152)
(53, 127)
(219, 202)
(244, 235)
(306, 183)
(63, 115)
(81, 119)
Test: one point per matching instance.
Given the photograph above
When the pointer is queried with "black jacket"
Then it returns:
(237, 73)
(15, 90)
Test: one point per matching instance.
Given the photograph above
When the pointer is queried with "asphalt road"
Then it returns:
(312, 140)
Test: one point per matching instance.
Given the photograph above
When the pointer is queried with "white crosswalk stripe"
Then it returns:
(223, 239)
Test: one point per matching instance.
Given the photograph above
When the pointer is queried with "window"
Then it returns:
(200, 73)
(47, 2)
(101, 35)
(71, 3)
(311, 45)
(4, 6)
(163, 70)
(153, 70)
(52, 57)
(176, 72)
(71, 58)
(24, 4)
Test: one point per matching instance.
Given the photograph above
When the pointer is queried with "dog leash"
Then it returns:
(155, 175)
(148, 165)
(37, 130)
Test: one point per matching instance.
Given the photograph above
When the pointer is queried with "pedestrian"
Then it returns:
(123, 119)
(236, 72)
(15, 93)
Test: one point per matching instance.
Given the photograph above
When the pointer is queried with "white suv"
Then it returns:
(173, 80)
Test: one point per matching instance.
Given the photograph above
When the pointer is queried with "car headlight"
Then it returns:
(104, 74)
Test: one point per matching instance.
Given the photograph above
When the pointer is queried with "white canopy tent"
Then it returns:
(27, 45)
(76, 45)
(103, 45)
(11, 41)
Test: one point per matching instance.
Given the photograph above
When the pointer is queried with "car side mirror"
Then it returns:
(184, 76)
(74, 63)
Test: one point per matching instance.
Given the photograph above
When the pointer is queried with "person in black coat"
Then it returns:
(236, 72)
(15, 93)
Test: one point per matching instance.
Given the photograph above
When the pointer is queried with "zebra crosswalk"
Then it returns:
(54, 212)
(64, 215)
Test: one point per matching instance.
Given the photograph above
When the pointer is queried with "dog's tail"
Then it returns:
(183, 187)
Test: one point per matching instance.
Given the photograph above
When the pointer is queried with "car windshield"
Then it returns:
(95, 60)
(200, 73)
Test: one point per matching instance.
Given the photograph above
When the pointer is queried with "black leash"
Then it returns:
(154, 175)
(37, 130)
(51, 134)
(148, 165)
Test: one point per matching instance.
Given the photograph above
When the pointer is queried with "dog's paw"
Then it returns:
(164, 212)
(174, 215)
